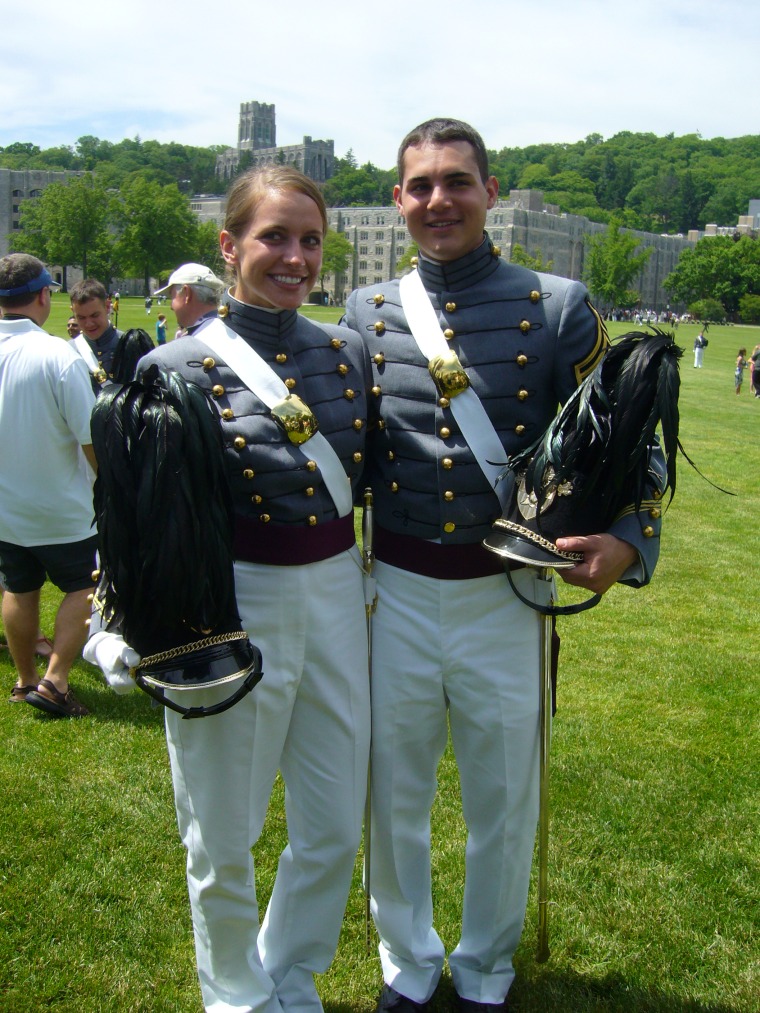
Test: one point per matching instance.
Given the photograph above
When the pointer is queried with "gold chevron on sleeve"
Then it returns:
(587, 365)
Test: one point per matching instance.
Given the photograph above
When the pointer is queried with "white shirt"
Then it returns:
(46, 400)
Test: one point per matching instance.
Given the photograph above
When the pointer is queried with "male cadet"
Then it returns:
(46, 514)
(99, 338)
(450, 637)
(194, 292)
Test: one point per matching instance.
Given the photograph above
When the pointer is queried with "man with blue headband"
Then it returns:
(46, 514)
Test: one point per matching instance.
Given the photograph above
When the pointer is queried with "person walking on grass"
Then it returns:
(46, 514)
(741, 365)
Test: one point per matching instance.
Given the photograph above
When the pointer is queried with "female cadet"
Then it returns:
(298, 583)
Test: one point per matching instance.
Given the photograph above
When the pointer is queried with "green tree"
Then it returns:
(66, 223)
(405, 261)
(337, 252)
(749, 309)
(611, 265)
(720, 268)
(207, 249)
(157, 229)
(522, 257)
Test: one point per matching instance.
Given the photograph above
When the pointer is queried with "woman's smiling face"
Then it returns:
(277, 257)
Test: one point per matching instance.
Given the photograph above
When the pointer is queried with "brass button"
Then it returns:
(377, 391)
(444, 402)
(208, 363)
(448, 495)
(522, 394)
(496, 251)
(223, 311)
(256, 499)
(444, 432)
(448, 334)
(656, 494)
(654, 513)
(394, 486)
(309, 490)
(265, 518)
(248, 473)
(648, 531)
(227, 413)
(349, 394)
(522, 360)
(358, 423)
(534, 296)
(217, 390)
(451, 307)
(447, 463)
(391, 455)
(378, 359)
(239, 442)
(449, 526)
(379, 327)
(95, 575)
(378, 299)
(414, 261)
(520, 429)
(525, 326)
(336, 343)
(357, 457)
(311, 465)
(90, 597)
(342, 369)
(281, 357)
(381, 422)
(312, 520)
(290, 383)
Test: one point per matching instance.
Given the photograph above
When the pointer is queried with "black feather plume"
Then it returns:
(131, 347)
(164, 512)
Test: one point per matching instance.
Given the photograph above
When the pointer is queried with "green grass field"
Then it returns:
(654, 879)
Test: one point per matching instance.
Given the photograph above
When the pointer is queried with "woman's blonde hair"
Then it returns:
(248, 190)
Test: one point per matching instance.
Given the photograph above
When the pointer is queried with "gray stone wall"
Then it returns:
(17, 185)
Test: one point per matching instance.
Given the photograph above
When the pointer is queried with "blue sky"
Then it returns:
(363, 74)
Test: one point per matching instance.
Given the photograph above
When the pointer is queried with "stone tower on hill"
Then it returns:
(257, 146)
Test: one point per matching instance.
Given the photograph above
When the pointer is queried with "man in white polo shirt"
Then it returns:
(46, 512)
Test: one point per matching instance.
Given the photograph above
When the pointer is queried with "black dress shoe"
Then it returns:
(473, 1006)
(392, 1001)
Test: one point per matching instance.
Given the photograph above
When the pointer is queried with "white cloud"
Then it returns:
(522, 73)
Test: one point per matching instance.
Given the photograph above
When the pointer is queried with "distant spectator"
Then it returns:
(741, 365)
(148, 304)
(754, 366)
(161, 329)
(700, 344)
(46, 512)
(195, 291)
(99, 338)
(72, 327)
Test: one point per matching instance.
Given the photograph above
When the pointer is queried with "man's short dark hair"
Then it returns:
(442, 131)
(88, 288)
(15, 270)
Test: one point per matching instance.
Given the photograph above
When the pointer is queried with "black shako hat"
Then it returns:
(165, 520)
(594, 461)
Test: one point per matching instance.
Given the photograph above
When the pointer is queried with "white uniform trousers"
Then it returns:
(469, 649)
(699, 355)
(309, 717)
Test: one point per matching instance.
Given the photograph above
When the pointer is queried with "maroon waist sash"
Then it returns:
(291, 544)
(442, 562)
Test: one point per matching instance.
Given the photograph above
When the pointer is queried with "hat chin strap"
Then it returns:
(159, 696)
(554, 610)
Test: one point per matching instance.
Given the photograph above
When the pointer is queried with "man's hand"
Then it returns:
(606, 558)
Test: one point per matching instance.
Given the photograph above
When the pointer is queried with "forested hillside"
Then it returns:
(658, 184)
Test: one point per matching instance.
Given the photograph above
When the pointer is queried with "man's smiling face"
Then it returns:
(443, 198)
